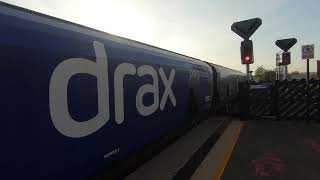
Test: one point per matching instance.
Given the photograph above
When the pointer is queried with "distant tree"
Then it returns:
(313, 76)
(269, 76)
(265, 75)
(259, 73)
(295, 73)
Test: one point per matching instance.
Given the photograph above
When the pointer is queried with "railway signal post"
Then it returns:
(245, 29)
(285, 45)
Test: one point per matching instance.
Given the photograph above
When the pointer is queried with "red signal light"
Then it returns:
(246, 50)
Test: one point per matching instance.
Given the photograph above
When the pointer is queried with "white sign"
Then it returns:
(258, 86)
(308, 51)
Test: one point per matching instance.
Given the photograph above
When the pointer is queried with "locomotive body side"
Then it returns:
(225, 90)
(74, 99)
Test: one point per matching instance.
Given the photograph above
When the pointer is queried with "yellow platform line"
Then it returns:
(227, 155)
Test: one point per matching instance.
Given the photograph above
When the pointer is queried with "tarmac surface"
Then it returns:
(252, 150)
(277, 151)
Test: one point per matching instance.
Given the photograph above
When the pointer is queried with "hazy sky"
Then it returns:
(198, 28)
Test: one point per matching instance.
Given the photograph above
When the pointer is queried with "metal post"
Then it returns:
(308, 97)
(248, 69)
(285, 72)
(307, 71)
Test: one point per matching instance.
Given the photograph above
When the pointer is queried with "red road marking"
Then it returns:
(268, 165)
(314, 143)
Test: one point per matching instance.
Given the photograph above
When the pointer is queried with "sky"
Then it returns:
(198, 28)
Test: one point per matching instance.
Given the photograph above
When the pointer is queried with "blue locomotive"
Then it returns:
(74, 100)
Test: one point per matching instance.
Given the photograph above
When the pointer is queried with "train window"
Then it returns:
(202, 71)
(199, 68)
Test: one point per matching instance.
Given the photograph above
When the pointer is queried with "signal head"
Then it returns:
(246, 52)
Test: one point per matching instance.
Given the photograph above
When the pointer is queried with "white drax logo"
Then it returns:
(58, 92)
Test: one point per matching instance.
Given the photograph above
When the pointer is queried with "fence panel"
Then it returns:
(260, 98)
(283, 100)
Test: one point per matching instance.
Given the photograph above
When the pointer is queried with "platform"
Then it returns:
(252, 150)
(275, 150)
(170, 161)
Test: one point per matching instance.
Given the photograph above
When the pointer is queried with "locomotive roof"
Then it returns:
(67, 25)
(212, 64)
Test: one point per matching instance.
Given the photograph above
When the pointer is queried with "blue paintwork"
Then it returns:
(31, 147)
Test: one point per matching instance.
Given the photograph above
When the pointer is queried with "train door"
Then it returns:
(215, 93)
